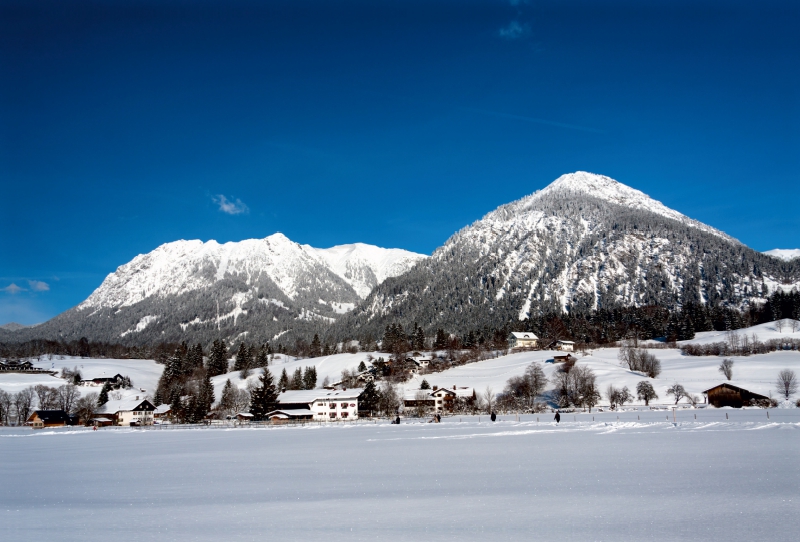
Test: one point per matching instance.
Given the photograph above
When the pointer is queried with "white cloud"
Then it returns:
(235, 207)
(38, 286)
(12, 289)
(515, 31)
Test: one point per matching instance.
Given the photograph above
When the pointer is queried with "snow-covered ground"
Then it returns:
(696, 373)
(143, 373)
(450, 481)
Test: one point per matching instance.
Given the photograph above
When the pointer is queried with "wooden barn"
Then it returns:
(733, 396)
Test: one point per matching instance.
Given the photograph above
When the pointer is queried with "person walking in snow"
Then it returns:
(558, 417)
(494, 416)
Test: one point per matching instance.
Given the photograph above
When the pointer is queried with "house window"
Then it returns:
(344, 414)
(333, 414)
(333, 405)
(344, 405)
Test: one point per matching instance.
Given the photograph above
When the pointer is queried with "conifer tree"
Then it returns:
(264, 398)
(195, 356)
(440, 342)
(218, 358)
(262, 359)
(242, 358)
(226, 400)
(316, 347)
(283, 382)
(296, 383)
(370, 398)
(310, 378)
(362, 367)
(424, 385)
(103, 397)
(205, 395)
(419, 339)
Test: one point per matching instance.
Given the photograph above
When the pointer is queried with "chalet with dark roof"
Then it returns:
(726, 394)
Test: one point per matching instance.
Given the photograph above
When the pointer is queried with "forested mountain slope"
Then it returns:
(584, 242)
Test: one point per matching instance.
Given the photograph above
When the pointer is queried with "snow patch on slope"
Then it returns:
(143, 323)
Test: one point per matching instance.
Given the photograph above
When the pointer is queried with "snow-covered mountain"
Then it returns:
(256, 288)
(365, 266)
(785, 254)
(584, 242)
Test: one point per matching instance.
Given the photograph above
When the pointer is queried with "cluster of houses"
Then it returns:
(18, 366)
(328, 405)
(528, 340)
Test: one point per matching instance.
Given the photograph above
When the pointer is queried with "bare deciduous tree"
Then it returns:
(488, 399)
(779, 325)
(645, 392)
(241, 401)
(67, 395)
(389, 399)
(85, 407)
(6, 401)
(787, 383)
(726, 368)
(678, 391)
(23, 400)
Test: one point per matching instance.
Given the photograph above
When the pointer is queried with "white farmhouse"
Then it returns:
(445, 398)
(565, 346)
(131, 411)
(322, 405)
(522, 339)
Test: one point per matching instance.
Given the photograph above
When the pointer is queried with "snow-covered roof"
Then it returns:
(462, 391)
(309, 396)
(290, 413)
(123, 405)
(163, 409)
(524, 335)
(566, 342)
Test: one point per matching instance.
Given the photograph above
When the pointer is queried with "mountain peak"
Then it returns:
(606, 188)
(612, 191)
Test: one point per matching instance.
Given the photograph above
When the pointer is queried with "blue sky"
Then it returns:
(123, 125)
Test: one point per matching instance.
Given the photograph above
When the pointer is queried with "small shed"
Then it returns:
(733, 396)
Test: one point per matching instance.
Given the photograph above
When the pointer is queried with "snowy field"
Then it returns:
(607, 480)
(144, 373)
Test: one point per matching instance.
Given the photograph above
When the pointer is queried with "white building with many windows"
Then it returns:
(322, 405)
(131, 411)
(522, 339)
